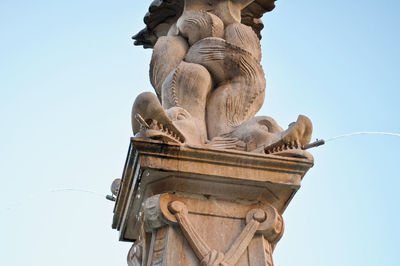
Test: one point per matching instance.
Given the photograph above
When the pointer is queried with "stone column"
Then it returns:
(185, 205)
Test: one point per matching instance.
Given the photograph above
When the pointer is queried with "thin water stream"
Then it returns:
(320, 142)
(363, 133)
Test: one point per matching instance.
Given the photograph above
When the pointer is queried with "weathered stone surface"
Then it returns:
(206, 181)
(209, 82)
(164, 13)
(190, 205)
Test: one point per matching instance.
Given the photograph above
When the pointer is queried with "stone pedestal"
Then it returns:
(195, 206)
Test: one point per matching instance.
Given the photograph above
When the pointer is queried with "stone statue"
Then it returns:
(208, 80)
(186, 199)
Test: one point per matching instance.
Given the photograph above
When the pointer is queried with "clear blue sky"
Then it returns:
(69, 75)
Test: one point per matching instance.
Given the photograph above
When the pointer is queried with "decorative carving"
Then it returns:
(198, 245)
(135, 255)
(209, 84)
(268, 250)
(153, 217)
(185, 205)
(208, 79)
(256, 217)
(267, 222)
(159, 246)
(138, 253)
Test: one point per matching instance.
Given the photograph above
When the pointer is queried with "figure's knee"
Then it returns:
(187, 86)
(196, 25)
(168, 52)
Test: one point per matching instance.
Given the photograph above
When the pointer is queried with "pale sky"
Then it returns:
(69, 74)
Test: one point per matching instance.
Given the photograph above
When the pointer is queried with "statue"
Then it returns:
(200, 195)
(208, 80)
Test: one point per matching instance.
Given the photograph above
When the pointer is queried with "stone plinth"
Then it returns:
(190, 205)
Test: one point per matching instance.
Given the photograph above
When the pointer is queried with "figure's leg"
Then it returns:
(188, 87)
(168, 53)
(181, 84)
(230, 105)
(240, 89)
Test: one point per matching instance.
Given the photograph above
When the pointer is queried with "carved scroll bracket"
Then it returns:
(164, 209)
(153, 217)
(272, 227)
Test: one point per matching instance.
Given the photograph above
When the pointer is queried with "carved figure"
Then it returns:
(208, 79)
